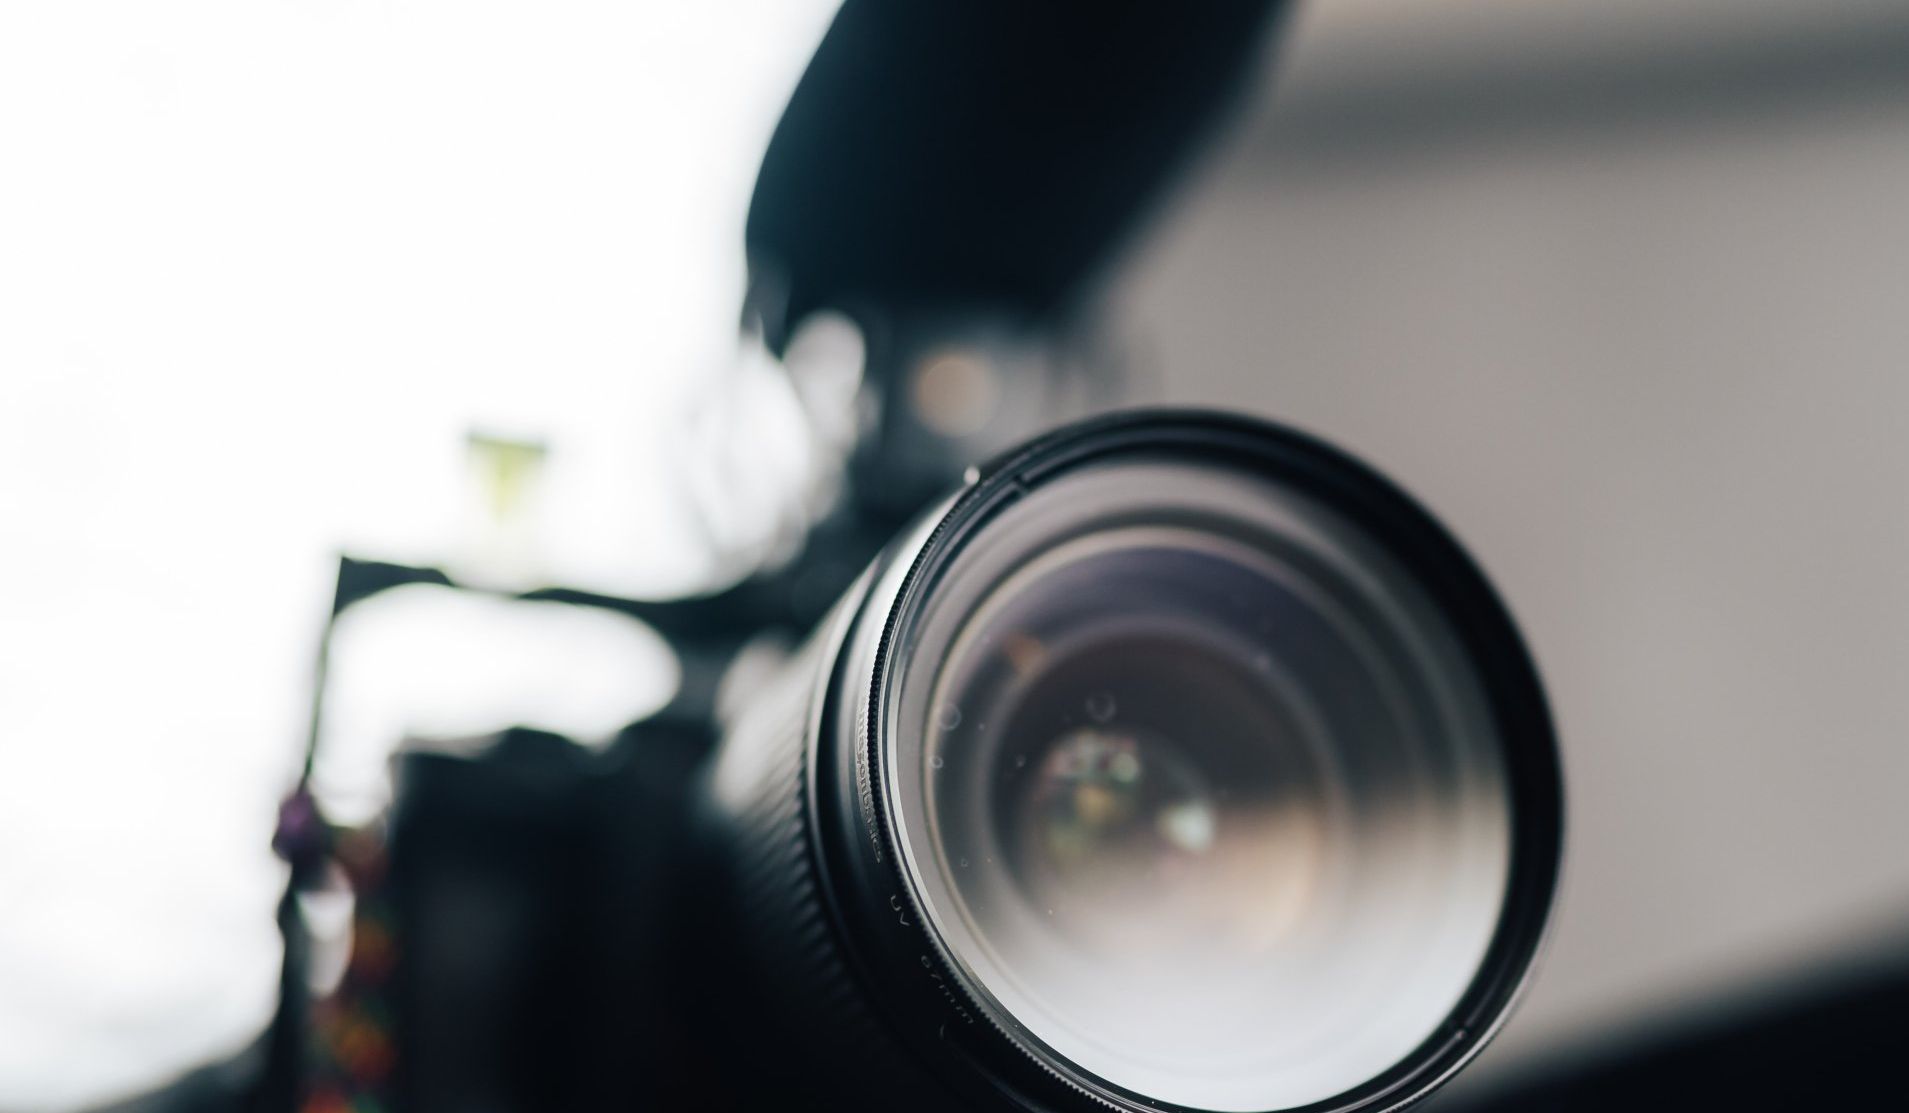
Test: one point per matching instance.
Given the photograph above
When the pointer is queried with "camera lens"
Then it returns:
(1192, 764)
(1206, 798)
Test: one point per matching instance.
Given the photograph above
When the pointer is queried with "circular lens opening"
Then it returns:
(1148, 762)
(1197, 788)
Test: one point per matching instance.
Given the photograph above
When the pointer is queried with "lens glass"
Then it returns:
(1197, 787)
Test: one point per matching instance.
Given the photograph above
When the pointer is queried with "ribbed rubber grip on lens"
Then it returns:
(822, 1044)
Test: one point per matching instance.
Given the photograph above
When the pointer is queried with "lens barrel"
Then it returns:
(1177, 762)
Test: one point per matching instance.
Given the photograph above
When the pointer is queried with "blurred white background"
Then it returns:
(263, 267)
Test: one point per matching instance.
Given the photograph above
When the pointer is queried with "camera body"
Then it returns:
(1166, 744)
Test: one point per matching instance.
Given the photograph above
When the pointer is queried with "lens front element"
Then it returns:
(1197, 788)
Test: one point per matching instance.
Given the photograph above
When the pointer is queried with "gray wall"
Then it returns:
(1624, 296)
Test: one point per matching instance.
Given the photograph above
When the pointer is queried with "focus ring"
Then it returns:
(822, 1045)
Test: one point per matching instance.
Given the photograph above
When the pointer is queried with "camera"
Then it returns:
(1177, 761)
(1174, 761)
